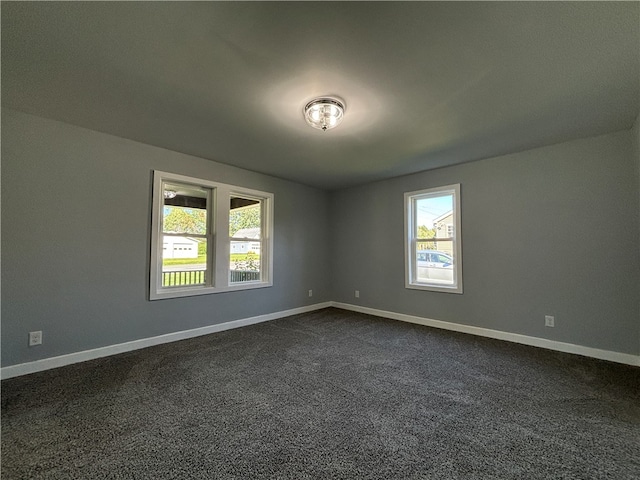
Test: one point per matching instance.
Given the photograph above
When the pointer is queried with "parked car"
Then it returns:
(433, 265)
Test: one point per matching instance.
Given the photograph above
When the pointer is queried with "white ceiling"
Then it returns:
(426, 84)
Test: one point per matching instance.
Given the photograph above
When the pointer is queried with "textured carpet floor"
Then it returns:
(330, 394)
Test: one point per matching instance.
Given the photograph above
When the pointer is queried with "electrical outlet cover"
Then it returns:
(35, 338)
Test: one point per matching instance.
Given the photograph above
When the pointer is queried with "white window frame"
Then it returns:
(410, 232)
(217, 276)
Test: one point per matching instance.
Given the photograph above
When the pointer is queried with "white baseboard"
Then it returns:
(499, 335)
(62, 360)
(77, 357)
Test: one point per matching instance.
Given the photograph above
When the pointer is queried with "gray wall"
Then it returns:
(75, 241)
(635, 131)
(547, 231)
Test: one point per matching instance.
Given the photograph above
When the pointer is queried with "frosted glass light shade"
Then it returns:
(324, 113)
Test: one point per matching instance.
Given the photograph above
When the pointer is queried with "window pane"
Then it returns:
(434, 258)
(436, 266)
(434, 215)
(244, 218)
(245, 230)
(184, 261)
(185, 209)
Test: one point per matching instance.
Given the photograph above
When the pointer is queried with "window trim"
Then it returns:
(410, 228)
(217, 233)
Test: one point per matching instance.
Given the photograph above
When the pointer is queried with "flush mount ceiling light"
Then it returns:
(170, 194)
(324, 113)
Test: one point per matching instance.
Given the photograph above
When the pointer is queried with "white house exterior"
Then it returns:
(179, 247)
(444, 228)
(248, 241)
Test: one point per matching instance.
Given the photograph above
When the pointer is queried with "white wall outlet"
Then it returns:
(549, 321)
(357, 293)
(35, 338)
(311, 293)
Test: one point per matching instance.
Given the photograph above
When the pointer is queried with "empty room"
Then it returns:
(320, 240)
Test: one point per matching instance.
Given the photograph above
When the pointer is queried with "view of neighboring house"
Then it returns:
(443, 226)
(179, 247)
(245, 243)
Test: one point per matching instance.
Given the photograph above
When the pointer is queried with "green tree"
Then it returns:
(202, 247)
(247, 217)
(423, 233)
(185, 220)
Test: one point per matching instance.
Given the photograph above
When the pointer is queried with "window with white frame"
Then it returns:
(208, 237)
(433, 250)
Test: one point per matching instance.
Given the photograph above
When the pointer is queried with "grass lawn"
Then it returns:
(235, 257)
(184, 261)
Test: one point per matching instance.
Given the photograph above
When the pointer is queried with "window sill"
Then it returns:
(435, 288)
(179, 292)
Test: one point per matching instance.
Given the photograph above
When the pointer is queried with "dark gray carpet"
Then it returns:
(330, 394)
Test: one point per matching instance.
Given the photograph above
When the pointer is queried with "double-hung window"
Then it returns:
(433, 249)
(208, 237)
